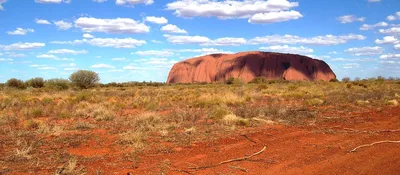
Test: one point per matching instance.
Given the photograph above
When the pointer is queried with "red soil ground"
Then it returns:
(319, 149)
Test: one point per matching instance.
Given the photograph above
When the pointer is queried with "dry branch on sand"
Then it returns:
(229, 161)
(371, 144)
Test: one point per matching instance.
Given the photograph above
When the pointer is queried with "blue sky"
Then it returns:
(140, 40)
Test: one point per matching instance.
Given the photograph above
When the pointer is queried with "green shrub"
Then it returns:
(35, 82)
(15, 83)
(233, 80)
(345, 79)
(259, 80)
(84, 78)
(58, 84)
(333, 80)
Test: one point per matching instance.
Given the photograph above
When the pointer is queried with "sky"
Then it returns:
(140, 40)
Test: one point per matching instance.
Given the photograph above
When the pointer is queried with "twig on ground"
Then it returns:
(371, 144)
(248, 138)
(231, 160)
(239, 168)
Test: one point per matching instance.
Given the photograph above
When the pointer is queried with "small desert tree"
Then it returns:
(15, 83)
(35, 82)
(84, 78)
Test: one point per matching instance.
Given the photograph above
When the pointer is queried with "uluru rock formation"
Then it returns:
(249, 65)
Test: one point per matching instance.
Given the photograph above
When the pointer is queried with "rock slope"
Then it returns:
(247, 66)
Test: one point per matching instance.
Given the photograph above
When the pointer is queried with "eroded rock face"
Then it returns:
(247, 66)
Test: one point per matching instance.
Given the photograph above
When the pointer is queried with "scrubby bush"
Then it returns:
(345, 79)
(56, 83)
(233, 80)
(15, 83)
(35, 82)
(258, 80)
(334, 80)
(84, 78)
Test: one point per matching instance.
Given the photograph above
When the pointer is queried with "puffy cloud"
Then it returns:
(187, 39)
(387, 40)
(20, 31)
(53, 57)
(156, 20)
(226, 41)
(164, 53)
(52, 1)
(118, 59)
(317, 40)
(63, 25)
(351, 65)
(349, 19)
(365, 51)
(271, 17)
(370, 27)
(118, 25)
(1, 4)
(42, 21)
(228, 9)
(133, 2)
(288, 49)
(390, 56)
(106, 42)
(102, 66)
(116, 42)
(396, 16)
(397, 46)
(391, 31)
(170, 28)
(68, 51)
(86, 35)
(22, 46)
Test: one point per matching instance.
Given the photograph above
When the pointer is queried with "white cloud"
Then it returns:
(53, 57)
(226, 41)
(390, 56)
(164, 53)
(14, 55)
(396, 16)
(102, 66)
(6, 59)
(106, 42)
(170, 28)
(119, 59)
(47, 68)
(351, 65)
(349, 19)
(156, 20)
(68, 51)
(133, 67)
(205, 51)
(86, 35)
(271, 17)
(288, 49)
(318, 40)
(156, 41)
(370, 27)
(387, 40)
(46, 56)
(20, 31)
(374, 0)
(118, 25)
(362, 51)
(53, 1)
(391, 31)
(1, 4)
(116, 42)
(63, 25)
(353, 59)
(22, 46)
(397, 46)
(68, 65)
(99, 1)
(133, 2)
(42, 21)
(187, 39)
(75, 42)
(228, 9)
